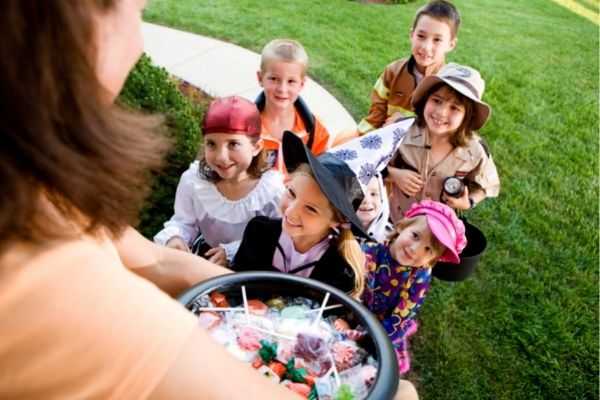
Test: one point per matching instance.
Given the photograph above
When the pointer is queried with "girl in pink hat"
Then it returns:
(399, 271)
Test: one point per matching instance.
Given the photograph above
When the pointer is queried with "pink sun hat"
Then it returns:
(444, 225)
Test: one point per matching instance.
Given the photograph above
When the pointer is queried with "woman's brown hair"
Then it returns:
(60, 141)
(464, 133)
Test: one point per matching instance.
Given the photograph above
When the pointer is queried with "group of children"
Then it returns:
(370, 216)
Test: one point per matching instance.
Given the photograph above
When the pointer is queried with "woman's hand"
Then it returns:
(409, 182)
(217, 255)
(177, 243)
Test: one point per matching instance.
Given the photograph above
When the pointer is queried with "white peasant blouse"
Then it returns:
(200, 207)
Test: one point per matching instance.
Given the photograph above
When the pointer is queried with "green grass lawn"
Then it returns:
(525, 326)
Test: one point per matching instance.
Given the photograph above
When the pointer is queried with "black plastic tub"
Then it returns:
(265, 285)
(469, 258)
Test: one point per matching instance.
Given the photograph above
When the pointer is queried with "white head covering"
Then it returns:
(380, 227)
(367, 156)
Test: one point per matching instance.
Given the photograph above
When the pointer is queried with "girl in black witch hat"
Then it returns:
(314, 238)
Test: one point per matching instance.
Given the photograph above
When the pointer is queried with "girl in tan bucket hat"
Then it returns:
(441, 157)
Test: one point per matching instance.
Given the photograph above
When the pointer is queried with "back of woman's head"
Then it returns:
(61, 138)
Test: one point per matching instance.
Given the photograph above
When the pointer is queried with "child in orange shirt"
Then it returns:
(282, 75)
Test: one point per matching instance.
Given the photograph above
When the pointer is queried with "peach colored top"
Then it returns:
(76, 324)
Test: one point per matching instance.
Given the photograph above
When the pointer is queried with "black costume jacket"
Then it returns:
(258, 247)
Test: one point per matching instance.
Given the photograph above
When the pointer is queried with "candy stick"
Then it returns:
(333, 307)
(245, 304)
(320, 315)
(220, 309)
(336, 375)
(271, 332)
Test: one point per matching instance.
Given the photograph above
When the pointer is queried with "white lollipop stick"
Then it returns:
(320, 314)
(220, 309)
(246, 309)
(336, 375)
(333, 307)
(256, 328)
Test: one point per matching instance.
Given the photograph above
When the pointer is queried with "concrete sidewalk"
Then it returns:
(223, 69)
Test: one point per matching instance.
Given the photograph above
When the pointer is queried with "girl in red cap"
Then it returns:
(399, 271)
(228, 186)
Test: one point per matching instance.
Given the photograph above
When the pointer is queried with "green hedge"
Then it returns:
(151, 89)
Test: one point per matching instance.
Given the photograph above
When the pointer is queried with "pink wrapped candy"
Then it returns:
(249, 339)
(209, 320)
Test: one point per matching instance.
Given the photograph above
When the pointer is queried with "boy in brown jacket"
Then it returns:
(432, 36)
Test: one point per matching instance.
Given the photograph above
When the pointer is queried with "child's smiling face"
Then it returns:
(431, 40)
(414, 245)
(282, 82)
(371, 204)
(230, 155)
(306, 212)
(443, 112)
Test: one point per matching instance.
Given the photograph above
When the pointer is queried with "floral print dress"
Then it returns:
(394, 293)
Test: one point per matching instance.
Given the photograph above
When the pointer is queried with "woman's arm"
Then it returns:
(205, 370)
(171, 270)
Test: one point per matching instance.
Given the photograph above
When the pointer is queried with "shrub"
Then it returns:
(152, 90)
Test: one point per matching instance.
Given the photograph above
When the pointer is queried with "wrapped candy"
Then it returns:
(249, 339)
(239, 353)
(341, 325)
(209, 320)
(285, 351)
(257, 307)
(289, 341)
(368, 373)
(295, 312)
(301, 388)
(310, 347)
(278, 368)
(219, 299)
(346, 354)
(278, 303)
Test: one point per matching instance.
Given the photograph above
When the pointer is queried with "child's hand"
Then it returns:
(217, 255)
(177, 243)
(393, 118)
(409, 182)
(460, 203)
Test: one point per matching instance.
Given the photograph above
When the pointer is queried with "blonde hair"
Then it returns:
(437, 247)
(347, 245)
(350, 250)
(287, 50)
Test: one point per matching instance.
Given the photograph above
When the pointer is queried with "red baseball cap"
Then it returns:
(232, 115)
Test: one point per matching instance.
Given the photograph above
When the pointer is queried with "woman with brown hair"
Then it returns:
(78, 321)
